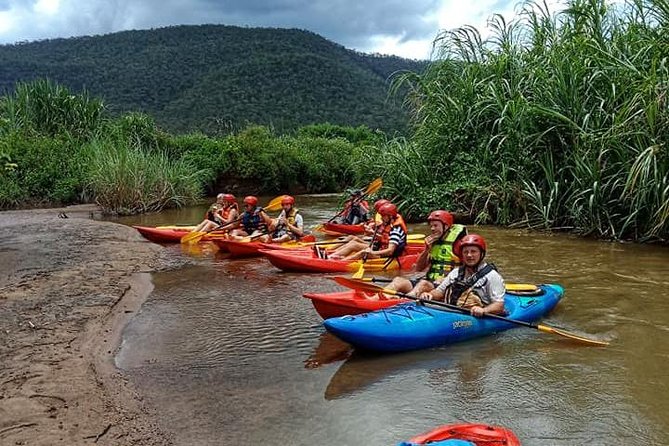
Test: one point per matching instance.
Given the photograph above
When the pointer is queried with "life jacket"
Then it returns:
(252, 221)
(225, 212)
(355, 210)
(442, 259)
(283, 229)
(461, 284)
(211, 213)
(384, 236)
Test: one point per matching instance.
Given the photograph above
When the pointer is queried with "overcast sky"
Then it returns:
(402, 27)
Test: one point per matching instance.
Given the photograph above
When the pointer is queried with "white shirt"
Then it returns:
(490, 288)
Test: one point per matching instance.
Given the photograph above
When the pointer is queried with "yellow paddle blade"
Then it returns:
(193, 237)
(521, 287)
(566, 334)
(374, 186)
(275, 204)
(360, 272)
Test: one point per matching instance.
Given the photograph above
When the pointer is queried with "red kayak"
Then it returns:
(163, 235)
(349, 302)
(339, 229)
(241, 248)
(306, 261)
(476, 434)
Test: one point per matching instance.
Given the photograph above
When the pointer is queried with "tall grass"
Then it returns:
(125, 179)
(564, 113)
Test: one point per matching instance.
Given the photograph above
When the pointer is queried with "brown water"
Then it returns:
(230, 353)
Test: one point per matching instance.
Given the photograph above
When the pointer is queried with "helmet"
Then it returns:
(388, 209)
(471, 240)
(229, 198)
(443, 216)
(250, 199)
(379, 203)
(287, 199)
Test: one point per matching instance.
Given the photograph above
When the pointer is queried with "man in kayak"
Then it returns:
(221, 213)
(289, 225)
(356, 209)
(389, 239)
(254, 221)
(475, 285)
(438, 257)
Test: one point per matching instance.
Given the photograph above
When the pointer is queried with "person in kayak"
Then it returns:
(254, 221)
(356, 209)
(289, 225)
(475, 284)
(389, 239)
(438, 258)
(219, 214)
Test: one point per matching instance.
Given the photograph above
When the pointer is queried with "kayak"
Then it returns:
(338, 229)
(241, 248)
(413, 326)
(412, 239)
(465, 434)
(306, 261)
(164, 234)
(171, 234)
(351, 302)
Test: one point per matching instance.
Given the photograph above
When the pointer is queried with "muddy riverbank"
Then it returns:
(67, 288)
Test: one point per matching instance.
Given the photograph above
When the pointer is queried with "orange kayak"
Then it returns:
(349, 302)
(467, 433)
(240, 248)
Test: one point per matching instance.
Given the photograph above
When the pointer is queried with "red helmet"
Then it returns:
(388, 209)
(443, 216)
(229, 198)
(252, 200)
(471, 240)
(287, 199)
(379, 203)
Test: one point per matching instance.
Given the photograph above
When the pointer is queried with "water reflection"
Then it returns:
(230, 353)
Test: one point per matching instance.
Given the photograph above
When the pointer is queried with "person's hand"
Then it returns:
(477, 311)
(430, 239)
(426, 295)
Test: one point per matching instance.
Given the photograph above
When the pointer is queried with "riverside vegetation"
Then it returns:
(556, 121)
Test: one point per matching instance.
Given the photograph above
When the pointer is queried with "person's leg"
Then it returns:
(401, 284)
(348, 249)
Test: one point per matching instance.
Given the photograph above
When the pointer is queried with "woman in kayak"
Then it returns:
(476, 284)
(438, 258)
(254, 221)
(389, 239)
(289, 225)
(221, 213)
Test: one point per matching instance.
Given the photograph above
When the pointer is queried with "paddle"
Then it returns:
(361, 271)
(366, 286)
(372, 188)
(196, 236)
(514, 287)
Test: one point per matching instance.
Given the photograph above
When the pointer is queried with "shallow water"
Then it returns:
(230, 353)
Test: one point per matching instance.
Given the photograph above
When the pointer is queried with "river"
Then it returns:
(229, 352)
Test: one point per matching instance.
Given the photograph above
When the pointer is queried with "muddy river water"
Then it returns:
(230, 353)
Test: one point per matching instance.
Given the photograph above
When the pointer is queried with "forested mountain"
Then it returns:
(219, 78)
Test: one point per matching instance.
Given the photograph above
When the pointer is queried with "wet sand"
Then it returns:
(67, 288)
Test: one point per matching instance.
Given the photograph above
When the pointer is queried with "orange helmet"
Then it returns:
(287, 199)
(229, 198)
(443, 216)
(388, 209)
(379, 203)
(471, 240)
(252, 200)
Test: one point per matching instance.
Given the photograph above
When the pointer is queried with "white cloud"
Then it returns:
(46, 7)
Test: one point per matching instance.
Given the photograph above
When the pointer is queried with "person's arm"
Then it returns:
(440, 292)
(496, 289)
(298, 227)
(424, 260)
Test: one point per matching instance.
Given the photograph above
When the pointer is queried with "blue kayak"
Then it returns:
(414, 326)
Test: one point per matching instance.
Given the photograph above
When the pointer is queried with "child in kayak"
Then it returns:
(289, 225)
(356, 209)
(475, 284)
(254, 221)
(389, 239)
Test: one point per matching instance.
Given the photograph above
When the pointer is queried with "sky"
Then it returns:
(405, 28)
